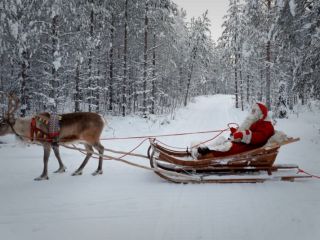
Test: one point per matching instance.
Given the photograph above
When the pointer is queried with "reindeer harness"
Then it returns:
(45, 128)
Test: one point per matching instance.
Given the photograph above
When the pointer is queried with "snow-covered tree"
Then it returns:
(231, 41)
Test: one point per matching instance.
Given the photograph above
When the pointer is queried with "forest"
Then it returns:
(143, 57)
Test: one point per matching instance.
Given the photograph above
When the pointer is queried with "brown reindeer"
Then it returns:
(82, 127)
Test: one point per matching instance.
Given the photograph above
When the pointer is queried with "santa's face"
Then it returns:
(253, 116)
(256, 112)
(253, 111)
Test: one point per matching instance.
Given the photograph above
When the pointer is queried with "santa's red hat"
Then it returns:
(263, 109)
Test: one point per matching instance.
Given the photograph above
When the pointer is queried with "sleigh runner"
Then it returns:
(252, 166)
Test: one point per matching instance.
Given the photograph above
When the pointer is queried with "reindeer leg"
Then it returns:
(56, 151)
(46, 154)
(100, 149)
(89, 150)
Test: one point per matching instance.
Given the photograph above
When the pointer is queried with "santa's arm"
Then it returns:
(256, 137)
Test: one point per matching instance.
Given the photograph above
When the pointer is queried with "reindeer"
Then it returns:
(83, 127)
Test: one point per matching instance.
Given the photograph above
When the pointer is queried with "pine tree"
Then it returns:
(231, 39)
(197, 41)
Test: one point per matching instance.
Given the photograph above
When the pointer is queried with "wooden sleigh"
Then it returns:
(249, 167)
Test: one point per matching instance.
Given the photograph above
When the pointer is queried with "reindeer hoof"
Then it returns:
(40, 178)
(60, 170)
(97, 172)
(77, 173)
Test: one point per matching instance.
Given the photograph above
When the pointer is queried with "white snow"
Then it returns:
(280, 3)
(271, 31)
(131, 203)
(14, 29)
(307, 26)
(55, 10)
(57, 63)
(292, 6)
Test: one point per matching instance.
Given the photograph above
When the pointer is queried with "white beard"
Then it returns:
(248, 121)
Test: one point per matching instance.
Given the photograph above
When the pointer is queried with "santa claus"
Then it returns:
(254, 132)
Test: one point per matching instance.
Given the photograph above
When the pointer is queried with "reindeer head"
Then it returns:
(7, 120)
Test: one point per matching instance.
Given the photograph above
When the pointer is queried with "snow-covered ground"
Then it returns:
(131, 203)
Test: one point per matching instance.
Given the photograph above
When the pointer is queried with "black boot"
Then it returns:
(203, 150)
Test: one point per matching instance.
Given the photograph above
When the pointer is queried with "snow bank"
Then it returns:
(292, 6)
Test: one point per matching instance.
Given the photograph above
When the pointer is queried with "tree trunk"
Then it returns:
(194, 54)
(268, 59)
(236, 91)
(90, 85)
(188, 85)
(236, 81)
(54, 43)
(268, 80)
(241, 86)
(77, 90)
(180, 89)
(111, 55)
(248, 88)
(125, 52)
(24, 78)
(153, 97)
(145, 65)
(98, 85)
(261, 87)
(290, 90)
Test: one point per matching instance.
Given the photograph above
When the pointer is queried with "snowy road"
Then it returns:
(129, 203)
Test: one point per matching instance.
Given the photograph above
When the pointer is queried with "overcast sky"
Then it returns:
(217, 9)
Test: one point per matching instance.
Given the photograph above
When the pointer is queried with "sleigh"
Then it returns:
(248, 167)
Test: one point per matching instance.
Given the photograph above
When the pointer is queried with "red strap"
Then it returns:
(32, 128)
(52, 135)
(34, 131)
(309, 174)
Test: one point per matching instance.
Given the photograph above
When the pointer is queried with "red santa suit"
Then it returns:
(254, 132)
